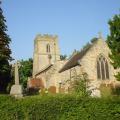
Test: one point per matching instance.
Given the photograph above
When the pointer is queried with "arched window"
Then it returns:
(48, 48)
(102, 68)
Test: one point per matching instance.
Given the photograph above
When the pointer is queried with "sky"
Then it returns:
(75, 22)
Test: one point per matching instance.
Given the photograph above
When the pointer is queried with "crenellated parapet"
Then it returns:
(46, 37)
(46, 51)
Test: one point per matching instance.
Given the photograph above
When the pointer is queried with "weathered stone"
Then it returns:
(46, 51)
(16, 90)
(88, 64)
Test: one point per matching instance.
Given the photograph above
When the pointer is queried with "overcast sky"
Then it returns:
(75, 22)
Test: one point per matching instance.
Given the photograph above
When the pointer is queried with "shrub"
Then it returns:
(116, 90)
(79, 85)
(59, 107)
(32, 91)
(109, 90)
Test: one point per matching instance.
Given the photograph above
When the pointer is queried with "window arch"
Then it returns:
(102, 68)
(48, 48)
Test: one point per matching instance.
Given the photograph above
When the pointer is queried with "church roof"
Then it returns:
(73, 61)
(44, 69)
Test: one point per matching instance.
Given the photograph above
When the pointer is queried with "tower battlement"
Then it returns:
(46, 51)
(46, 36)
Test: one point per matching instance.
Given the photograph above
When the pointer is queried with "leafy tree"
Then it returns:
(80, 85)
(25, 71)
(94, 40)
(74, 52)
(63, 57)
(5, 53)
(87, 46)
(113, 41)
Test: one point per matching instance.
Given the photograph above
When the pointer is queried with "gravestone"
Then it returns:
(16, 89)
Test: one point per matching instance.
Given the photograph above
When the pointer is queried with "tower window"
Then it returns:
(48, 48)
(102, 68)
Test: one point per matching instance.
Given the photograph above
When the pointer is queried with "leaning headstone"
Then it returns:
(16, 89)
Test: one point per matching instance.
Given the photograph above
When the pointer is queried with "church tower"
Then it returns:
(46, 52)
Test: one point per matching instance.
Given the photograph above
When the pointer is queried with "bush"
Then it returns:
(116, 90)
(109, 90)
(32, 91)
(80, 85)
(59, 107)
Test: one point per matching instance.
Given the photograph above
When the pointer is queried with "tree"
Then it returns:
(63, 57)
(25, 71)
(87, 46)
(5, 53)
(113, 41)
(74, 52)
(79, 85)
(94, 40)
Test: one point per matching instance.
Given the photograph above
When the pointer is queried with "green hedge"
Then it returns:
(59, 107)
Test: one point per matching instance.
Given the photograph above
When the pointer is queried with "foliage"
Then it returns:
(109, 90)
(87, 46)
(63, 57)
(94, 40)
(32, 91)
(59, 107)
(118, 76)
(25, 71)
(5, 53)
(113, 41)
(116, 91)
(74, 52)
(79, 85)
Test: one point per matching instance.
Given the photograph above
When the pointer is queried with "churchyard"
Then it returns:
(76, 105)
(50, 86)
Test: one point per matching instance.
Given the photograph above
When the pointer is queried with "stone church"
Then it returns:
(55, 74)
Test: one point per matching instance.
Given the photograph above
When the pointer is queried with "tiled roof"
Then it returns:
(73, 61)
(44, 69)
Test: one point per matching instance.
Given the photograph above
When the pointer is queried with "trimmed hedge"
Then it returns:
(59, 107)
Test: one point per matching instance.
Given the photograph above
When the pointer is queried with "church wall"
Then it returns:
(52, 77)
(89, 66)
(42, 57)
(89, 61)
